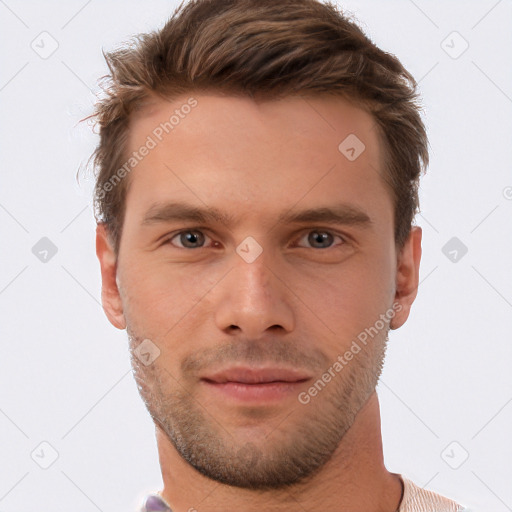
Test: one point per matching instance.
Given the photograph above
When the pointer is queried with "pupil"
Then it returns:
(319, 238)
(191, 238)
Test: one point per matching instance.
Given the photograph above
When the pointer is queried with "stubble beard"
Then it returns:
(293, 452)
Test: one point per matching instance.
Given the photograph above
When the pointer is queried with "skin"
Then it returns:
(301, 303)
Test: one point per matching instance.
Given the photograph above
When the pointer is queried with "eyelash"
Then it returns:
(168, 239)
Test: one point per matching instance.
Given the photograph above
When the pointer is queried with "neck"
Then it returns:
(354, 479)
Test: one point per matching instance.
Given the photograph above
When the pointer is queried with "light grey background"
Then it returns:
(65, 378)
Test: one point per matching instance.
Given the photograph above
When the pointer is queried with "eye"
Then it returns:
(195, 239)
(188, 239)
(319, 239)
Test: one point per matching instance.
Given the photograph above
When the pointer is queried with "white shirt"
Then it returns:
(417, 499)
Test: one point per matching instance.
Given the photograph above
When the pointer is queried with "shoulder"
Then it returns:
(418, 499)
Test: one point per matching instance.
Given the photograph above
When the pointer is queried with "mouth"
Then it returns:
(244, 375)
(256, 385)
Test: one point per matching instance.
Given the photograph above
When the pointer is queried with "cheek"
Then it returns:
(348, 298)
(157, 295)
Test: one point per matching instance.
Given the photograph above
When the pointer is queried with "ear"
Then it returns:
(110, 296)
(407, 277)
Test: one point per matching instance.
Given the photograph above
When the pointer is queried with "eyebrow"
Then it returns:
(344, 213)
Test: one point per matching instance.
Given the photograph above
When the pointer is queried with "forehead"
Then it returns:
(225, 151)
(214, 114)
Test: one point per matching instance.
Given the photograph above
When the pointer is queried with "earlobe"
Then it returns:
(110, 296)
(407, 277)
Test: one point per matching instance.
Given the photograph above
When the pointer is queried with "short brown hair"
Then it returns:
(261, 49)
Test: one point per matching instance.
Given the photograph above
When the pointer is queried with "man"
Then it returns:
(258, 179)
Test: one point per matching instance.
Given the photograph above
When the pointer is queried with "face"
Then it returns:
(254, 249)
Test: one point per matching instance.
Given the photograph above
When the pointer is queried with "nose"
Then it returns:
(254, 298)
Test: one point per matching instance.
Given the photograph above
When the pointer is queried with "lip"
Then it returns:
(245, 375)
(262, 385)
(254, 393)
